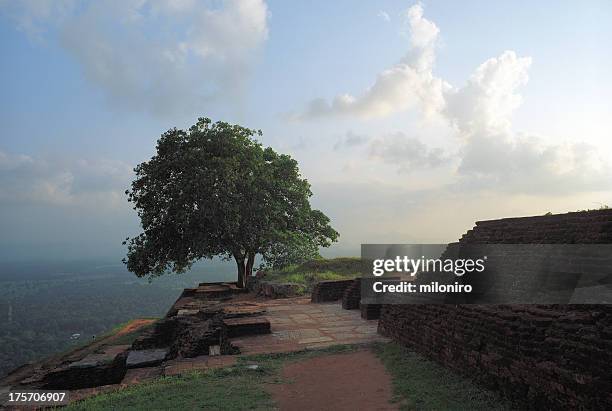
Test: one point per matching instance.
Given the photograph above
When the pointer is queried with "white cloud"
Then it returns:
(423, 36)
(490, 97)
(525, 164)
(492, 155)
(351, 140)
(34, 17)
(28, 180)
(408, 84)
(166, 57)
(407, 153)
(383, 15)
(495, 157)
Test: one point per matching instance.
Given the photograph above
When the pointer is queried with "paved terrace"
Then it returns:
(296, 324)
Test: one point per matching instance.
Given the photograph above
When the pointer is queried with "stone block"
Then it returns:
(242, 326)
(146, 358)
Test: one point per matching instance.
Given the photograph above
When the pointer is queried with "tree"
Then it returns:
(293, 248)
(213, 190)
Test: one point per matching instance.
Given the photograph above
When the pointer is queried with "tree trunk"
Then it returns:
(245, 267)
(241, 283)
(249, 264)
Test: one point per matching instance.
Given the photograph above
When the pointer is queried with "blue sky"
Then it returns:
(486, 109)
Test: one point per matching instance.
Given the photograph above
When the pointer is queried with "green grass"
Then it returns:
(418, 384)
(131, 336)
(122, 325)
(231, 388)
(341, 265)
(422, 384)
(311, 272)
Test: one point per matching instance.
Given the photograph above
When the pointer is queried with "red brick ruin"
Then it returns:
(545, 356)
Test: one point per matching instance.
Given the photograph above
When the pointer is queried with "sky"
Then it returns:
(410, 120)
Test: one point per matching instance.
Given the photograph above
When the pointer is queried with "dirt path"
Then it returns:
(352, 381)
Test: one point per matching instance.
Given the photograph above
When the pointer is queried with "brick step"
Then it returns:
(329, 290)
(241, 326)
(214, 291)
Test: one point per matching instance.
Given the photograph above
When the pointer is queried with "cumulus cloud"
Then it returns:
(407, 153)
(487, 101)
(492, 154)
(495, 156)
(408, 84)
(166, 57)
(423, 36)
(29, 180)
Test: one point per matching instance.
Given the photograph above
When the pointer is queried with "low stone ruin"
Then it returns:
(146, 358)
(100, 368)
(329, 290)
(352, 295)
(201, 322)
(262, 288)
(186, 336)
(241, 326)
(554, 356)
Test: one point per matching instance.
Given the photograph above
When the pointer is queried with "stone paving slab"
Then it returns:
(103, 355)
(146, 358)
(297, 324)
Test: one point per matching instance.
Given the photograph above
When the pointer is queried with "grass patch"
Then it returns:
(422, 384)
(232, 388)
(311, 272)
(115, 330)
(342, 265)
(131, 336)
(418, 384)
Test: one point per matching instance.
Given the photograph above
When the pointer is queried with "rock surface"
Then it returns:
(104, 368)
(146, 358)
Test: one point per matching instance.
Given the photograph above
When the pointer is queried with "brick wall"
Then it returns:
(546, 356)
(329, 290)
(370, 311)
(352, 295)
(591, 227)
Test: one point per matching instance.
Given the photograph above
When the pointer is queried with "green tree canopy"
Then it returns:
(213, 190)
(292, 248)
